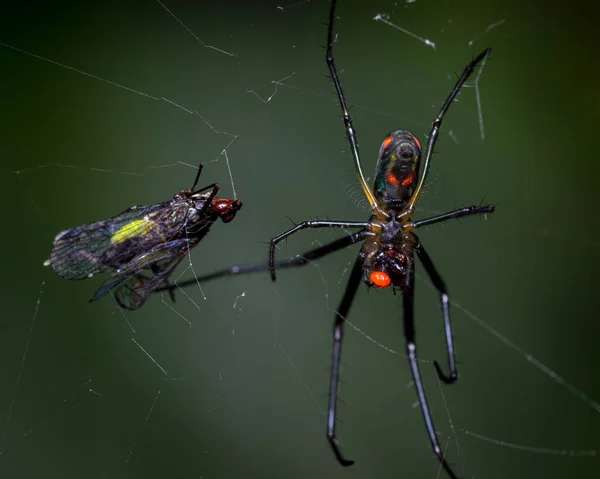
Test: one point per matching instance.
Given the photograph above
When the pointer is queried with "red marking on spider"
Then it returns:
(380, 279)
(418, 144)
(408, 180)
(392, 179)
(398, 255)
(387, 142)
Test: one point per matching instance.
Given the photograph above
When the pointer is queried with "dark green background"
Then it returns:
(246, 385)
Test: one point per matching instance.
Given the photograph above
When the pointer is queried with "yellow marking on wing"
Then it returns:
(135, 228)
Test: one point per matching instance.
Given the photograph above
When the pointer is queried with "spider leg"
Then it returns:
(299, 260)
(309, 224)
(350, 132)
(435, 130)
(439, 284)
(411, 353)
(459, 213)
(338, 334)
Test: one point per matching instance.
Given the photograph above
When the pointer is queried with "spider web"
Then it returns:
(111, 105)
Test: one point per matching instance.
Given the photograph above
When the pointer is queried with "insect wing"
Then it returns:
(138, 287)
(139, 278)
(102, 246)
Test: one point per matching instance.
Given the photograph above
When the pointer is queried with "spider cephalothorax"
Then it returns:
(387, 266)
(387, 253)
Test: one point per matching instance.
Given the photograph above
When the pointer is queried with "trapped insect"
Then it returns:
(389, 244)
(140, 247)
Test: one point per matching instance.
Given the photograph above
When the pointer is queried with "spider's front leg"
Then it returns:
(304, 225)
(336, 357)
(411, 354)
(298, 260)
(439, 284)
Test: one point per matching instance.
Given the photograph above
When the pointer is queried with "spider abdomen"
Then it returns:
(397, 169)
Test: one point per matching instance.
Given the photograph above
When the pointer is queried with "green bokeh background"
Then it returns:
(245, 389)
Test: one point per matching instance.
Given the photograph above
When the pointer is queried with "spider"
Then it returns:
(389, 244)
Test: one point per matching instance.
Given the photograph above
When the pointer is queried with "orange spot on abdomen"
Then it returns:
(392, 179)
(408, 180)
